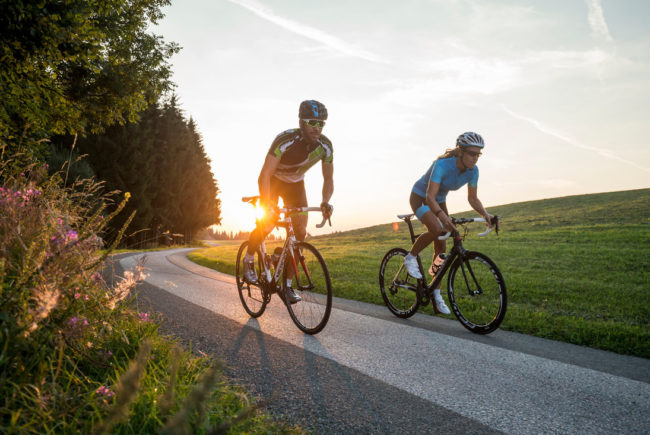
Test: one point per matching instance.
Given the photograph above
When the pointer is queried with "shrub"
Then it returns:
(74, 355)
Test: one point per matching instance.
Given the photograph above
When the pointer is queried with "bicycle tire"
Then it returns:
(399, 294)
(252, 295)
(312, 284)
(477, 292)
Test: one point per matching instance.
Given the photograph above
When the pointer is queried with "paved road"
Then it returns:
(369, 372)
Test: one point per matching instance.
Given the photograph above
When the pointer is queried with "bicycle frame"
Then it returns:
(456, 251)
(288, 246)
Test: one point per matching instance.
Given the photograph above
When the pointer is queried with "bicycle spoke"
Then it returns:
(400, 295)
(252, 295)
(312, 284)
(477, 293)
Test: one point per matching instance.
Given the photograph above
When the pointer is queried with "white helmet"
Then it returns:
(470, 139)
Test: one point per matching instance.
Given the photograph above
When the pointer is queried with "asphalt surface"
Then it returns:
(369, 372)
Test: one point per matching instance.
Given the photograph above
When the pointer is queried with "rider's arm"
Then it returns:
(328, 188)
(264, 180)
(472, 198)
(432, 191)
(328, 181)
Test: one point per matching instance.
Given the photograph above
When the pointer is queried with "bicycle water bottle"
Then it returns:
(276, 256)
(437, 263)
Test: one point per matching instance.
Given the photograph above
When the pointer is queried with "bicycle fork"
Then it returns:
(471, 292)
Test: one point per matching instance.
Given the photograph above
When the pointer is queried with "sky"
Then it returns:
(559, 90)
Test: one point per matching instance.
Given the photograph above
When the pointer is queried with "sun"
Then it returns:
(259, 211)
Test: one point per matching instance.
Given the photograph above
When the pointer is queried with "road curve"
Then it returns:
(368, 372)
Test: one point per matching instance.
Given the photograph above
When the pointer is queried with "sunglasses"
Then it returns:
(474, 154)
(314, 123)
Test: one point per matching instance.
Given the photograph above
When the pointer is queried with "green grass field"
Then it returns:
(577, 268)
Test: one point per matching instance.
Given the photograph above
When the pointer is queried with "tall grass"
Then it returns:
(75, 357)
(577, 268)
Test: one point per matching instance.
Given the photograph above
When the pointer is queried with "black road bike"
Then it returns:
(297, 261)
(476, 289)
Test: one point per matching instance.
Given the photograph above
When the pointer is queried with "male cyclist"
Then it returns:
(452, 170)
(292, 153)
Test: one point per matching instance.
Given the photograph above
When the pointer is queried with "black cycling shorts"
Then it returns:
(293, 194)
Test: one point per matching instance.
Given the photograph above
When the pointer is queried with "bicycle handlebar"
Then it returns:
(253, 199)
(466, 221)
(303, 209)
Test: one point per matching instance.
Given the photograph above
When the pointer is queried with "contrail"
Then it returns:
(597, 21)
(559, 135)
(308, 32)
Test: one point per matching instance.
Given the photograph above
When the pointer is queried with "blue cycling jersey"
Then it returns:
(446, 173)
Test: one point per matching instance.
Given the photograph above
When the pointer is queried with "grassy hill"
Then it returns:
(577, 268)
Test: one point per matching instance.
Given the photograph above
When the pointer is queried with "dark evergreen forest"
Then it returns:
(88, 78)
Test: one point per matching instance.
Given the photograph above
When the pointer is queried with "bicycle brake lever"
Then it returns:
(495, 222)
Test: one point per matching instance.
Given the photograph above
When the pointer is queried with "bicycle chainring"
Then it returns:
(424, 298)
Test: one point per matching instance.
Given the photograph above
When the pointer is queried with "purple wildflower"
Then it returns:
(104, 391)
(71, 236)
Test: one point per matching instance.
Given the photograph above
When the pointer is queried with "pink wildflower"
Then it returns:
(71, 236)
(77, 295)
(144, 317)
(104, 391)
(75, 321)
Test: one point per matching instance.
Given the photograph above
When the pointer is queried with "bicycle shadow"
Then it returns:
(331, 383)
(252, 344)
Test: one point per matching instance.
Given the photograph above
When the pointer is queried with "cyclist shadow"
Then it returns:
(244, 349)
(332, 383)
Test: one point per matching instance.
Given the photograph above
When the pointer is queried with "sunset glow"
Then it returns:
(559, 91)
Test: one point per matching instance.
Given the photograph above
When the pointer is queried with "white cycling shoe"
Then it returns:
(412, 267)
(440, 305)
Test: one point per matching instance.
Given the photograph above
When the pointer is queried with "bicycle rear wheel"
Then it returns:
(252, 295)
(311, 281)
(477, 293)
(398, 288)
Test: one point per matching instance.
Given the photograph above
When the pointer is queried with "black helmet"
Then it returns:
(312, 109)
(470, 139)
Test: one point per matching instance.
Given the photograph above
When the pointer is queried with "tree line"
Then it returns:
(88, 77)
(162, 163)
(212, 233)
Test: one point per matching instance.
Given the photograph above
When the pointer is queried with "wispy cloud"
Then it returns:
(451, 77)
(314, 34)
(608, 154)
(597, 21)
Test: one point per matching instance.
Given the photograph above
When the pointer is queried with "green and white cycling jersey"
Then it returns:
(297, 155)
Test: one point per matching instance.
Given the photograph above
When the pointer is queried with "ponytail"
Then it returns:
(451, 152)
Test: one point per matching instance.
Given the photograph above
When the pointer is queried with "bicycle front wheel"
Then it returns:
(477, 292)
(251, 294)
(398, 288)
(310, 280)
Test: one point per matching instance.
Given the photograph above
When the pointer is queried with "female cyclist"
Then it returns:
(452, 170)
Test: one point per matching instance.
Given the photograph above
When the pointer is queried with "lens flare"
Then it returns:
(259, 212)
